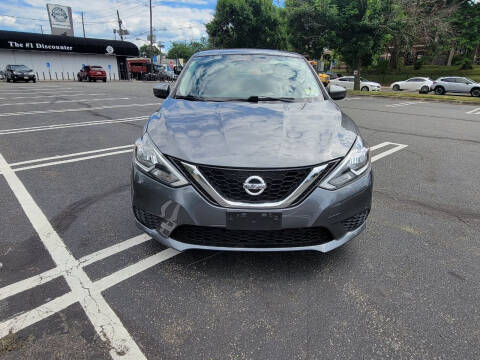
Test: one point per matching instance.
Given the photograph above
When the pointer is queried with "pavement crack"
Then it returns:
(460, 214)
(472, 141)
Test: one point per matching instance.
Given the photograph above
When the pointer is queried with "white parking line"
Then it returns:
(77, 109)
(106, 323)
(474, 111)
(56, 157)
(63, 101)
(70, 125)
(49, 96)
(114, 249)
(406, 104)
(389, 152)
(72, 160)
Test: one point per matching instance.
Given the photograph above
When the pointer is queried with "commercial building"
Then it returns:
(61, 57)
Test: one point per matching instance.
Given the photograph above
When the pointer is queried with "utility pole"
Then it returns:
(151, 35)
(120, 32)
(41, 28)
(83, 25)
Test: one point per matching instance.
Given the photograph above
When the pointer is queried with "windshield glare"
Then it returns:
(242, 76)
(20, 67)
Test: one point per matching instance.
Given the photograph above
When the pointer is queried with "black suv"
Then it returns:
(19, 73)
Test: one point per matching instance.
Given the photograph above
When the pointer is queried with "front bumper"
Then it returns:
(23, 77)
(185, 206)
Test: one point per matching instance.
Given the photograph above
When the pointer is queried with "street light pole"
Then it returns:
(83, 26)
(151, 35)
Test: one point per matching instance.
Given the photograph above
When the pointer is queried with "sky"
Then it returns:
(173, 20)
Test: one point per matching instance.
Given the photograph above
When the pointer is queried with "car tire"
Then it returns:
(475, 92)
(79, 78)
(396, 88)
(104, 79)
(34, 80)
(89, 79)
(439, 90)
(8, 80)
(365, 88)
(424, 90)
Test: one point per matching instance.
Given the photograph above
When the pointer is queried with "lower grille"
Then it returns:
(149, 220)
(356, 220)
(212, 236)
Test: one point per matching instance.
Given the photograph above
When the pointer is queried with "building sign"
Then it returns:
(20, 41)
(38, 46)
(60, 19)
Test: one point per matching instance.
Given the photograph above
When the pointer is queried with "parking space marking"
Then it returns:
(63, 101)
(474, 111)
(49, 96)
(56, 157)
(83, 290)
(76, 109)
(389, 152)
(114, 249)
(70, 125)
(405, 104)
(30, 89)
(106, 323)
(29, 283)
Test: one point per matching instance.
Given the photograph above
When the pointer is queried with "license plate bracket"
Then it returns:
(238, 220)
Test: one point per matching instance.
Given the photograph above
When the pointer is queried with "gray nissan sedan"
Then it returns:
(249, 152)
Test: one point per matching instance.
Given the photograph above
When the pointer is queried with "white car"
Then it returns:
(348, 81)
(420, 84)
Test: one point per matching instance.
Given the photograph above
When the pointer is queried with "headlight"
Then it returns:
(151, 161)
(17, 73)
(31, 73)
(351, 167)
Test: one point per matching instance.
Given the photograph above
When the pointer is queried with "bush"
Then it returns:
(418, 64)
(382, 66)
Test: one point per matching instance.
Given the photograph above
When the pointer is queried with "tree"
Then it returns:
(184, 50)
(145, 50)
(247, 23)
(309, 26)
(466, 24)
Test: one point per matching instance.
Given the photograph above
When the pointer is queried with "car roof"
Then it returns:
(246, 52)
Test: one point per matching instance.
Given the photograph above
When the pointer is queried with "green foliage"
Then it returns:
(418, 64)
(184, 50)
(145, 50)
(247, 24)
(382, 66)
(466, 22)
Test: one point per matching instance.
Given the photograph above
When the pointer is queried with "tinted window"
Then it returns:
(449, 80)
(20, 68)
(346, 79)
(242, 76)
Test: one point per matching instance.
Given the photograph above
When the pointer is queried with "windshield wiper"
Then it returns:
(190, 97)
(269, 98)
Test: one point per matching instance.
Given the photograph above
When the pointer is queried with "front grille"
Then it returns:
(356, 220)
(149, 220)
(228, 182)
(222, 237)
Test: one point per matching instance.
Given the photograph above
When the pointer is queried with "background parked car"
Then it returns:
(421, 84)
(19, 73)
(347, 82)
(456, 84)
(92, 73)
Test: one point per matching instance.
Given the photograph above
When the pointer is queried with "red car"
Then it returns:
(92, 73)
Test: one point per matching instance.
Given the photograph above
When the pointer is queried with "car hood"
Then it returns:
(237, 134)
(370, 83)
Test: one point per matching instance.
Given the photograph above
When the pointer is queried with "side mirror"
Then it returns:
(337, 92)
(161, 90)
(177, 70)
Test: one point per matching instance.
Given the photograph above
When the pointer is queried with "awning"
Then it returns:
(13, 40)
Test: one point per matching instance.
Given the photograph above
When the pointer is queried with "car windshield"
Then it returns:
(470, 80)
(20, 68)
(245, 76)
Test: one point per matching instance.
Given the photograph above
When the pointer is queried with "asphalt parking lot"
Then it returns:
(78, 280)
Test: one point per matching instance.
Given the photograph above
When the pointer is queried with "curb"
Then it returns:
(466, 102)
